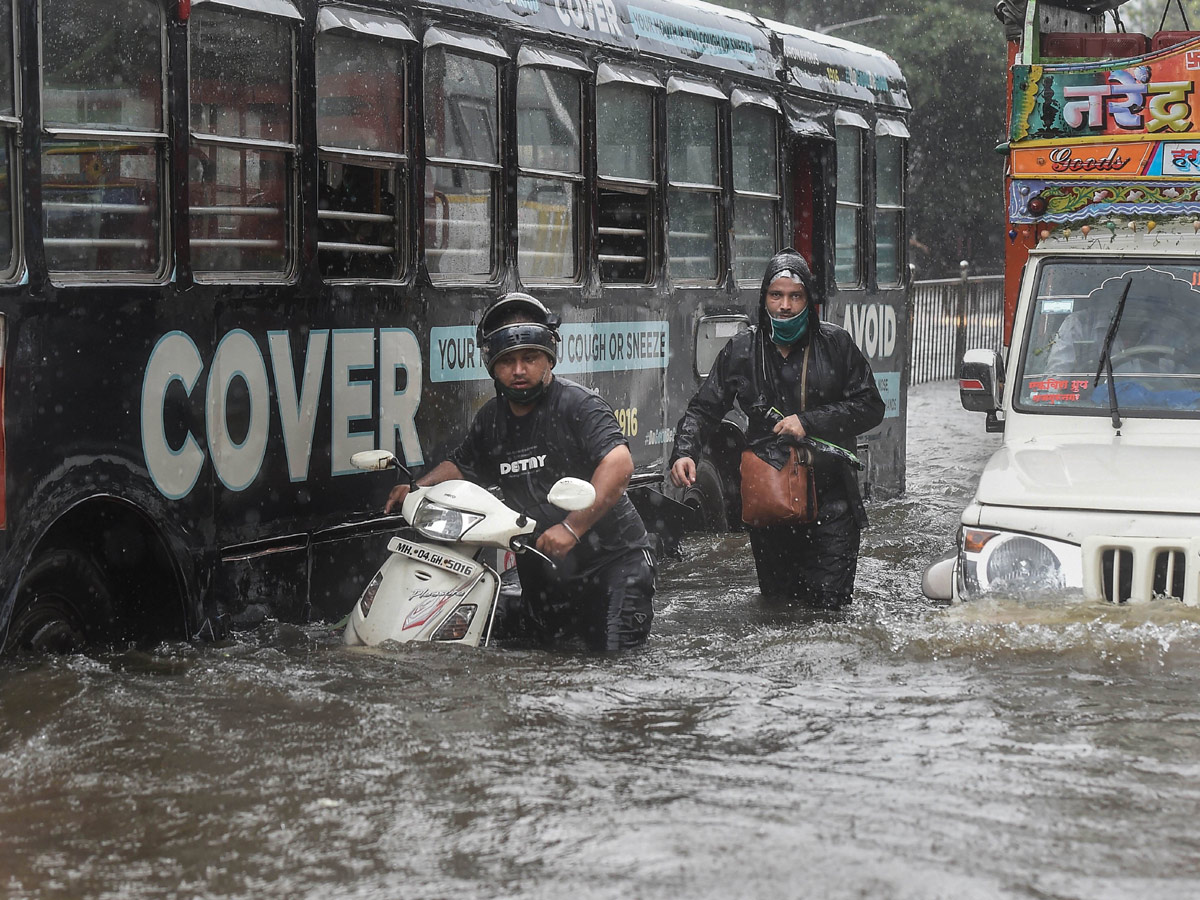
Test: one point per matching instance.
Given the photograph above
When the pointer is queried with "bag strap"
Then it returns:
(760, 365)
(804, 375)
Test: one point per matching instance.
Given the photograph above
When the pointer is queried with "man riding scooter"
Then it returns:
(537, 429)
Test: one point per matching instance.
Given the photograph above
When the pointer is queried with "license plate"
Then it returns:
(454, 564)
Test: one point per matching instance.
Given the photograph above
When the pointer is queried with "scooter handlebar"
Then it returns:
(520, 546)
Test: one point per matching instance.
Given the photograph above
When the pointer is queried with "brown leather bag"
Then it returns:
(773, 496)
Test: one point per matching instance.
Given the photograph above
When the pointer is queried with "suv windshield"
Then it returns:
(1155, 350)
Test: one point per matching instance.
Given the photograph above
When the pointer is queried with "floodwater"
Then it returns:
(898, 750)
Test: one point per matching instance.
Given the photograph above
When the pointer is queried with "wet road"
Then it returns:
(899, 750)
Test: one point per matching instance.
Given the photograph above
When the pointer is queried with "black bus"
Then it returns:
(243, 239)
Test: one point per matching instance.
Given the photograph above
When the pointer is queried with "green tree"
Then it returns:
(953, 55)
(1146, 15)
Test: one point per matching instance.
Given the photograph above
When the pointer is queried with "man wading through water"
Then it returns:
(536, 430)
(763, 370)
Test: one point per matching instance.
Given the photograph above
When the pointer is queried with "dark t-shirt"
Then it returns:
(568, 432)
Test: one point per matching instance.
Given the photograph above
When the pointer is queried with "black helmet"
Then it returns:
(514, 322)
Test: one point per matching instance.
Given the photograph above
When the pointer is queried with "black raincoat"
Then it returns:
(815, 563)
(842, 400)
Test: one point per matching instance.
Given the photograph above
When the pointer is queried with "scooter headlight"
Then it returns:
(368, 595)
(441, 523)
(456, 624)
(1017, 563)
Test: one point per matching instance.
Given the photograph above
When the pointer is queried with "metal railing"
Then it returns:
(948, 316)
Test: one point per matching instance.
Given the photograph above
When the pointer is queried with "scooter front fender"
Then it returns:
(426, 593)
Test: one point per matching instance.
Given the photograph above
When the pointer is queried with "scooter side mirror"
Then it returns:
(373, 460)
(572, 493)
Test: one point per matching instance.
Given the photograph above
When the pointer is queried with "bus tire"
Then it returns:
(63, 604)
(707, 496)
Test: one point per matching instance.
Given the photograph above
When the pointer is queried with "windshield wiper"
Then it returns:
(1105, 364)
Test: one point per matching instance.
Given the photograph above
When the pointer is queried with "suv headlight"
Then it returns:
(1007, 562)
(443, 523)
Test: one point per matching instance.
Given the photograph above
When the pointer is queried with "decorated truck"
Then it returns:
(1096, 486)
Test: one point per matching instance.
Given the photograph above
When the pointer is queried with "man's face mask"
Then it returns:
(525, 395)
(788, 331)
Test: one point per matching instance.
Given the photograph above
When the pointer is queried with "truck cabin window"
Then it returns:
(1079, 324)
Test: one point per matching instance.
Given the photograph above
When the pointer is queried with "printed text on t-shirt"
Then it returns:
(523, 465)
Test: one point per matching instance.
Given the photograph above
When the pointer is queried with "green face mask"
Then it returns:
(524, 396)
(788, 331)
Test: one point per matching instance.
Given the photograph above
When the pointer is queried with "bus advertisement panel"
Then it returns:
(255, 236)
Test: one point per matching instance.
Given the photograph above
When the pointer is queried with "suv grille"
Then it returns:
(1121, 569)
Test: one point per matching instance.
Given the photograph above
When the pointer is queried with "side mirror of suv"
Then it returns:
(981, 381)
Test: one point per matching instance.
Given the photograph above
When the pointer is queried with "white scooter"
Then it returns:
(440, 588)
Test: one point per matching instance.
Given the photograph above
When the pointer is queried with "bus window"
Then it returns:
(755, 184)
(462, 176)
(549, 160)
(889, 201)
(360, 131)
(9, 123)
(102, 203)
(847, 254)
(8, 256)
(8, 87)
(625, 165)
(242, 157)
(694, 199)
